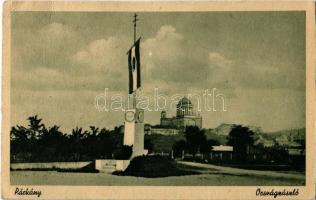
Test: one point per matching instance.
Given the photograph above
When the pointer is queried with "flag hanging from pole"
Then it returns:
(134, 67)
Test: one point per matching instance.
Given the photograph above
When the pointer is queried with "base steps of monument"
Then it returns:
(109, 166)
(105, 166)
(107, 170)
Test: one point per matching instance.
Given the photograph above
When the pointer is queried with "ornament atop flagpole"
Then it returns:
(135, 21)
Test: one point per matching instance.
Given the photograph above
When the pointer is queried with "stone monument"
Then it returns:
(134, 116)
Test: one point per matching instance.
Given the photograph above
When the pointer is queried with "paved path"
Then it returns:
(237, 171)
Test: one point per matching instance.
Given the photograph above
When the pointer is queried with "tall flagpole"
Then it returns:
(134, 92)
(134, 129)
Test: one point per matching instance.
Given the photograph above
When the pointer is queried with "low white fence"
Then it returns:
(105, 166)
(50, 165)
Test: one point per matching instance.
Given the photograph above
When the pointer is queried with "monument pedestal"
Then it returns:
(134, 130)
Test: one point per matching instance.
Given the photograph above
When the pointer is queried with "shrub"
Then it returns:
(123, 153)
(154, 166)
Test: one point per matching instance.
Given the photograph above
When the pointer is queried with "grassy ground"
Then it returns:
(58, 178)
(209, 176)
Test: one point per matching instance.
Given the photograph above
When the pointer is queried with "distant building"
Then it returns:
(161, 131)
(222, 152)
(184, 116)
(296, 151)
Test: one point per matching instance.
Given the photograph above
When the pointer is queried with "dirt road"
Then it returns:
(237, 171)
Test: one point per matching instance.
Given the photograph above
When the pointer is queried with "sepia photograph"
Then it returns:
(158, 97)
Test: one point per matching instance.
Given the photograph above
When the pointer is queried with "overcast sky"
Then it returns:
(61, 61)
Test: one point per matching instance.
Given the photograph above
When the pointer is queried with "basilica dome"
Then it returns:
(184, 101)
(184, 107)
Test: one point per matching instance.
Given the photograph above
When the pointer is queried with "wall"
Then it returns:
(51, 165)
(105, 166)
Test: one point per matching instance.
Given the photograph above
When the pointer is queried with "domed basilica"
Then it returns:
(185, 116)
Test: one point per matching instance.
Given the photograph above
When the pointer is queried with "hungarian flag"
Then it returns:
(134, 67)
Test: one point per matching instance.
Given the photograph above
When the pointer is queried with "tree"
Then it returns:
(36, 143)
(123, 153)
(19, 143)
(242, 139)
(108, 142)
(178, 147)
(92, 144)
(35, 126)
(195, 137)
(94, 131)
(76, 140)
(51, 146)
(206, 147)
(148, 145)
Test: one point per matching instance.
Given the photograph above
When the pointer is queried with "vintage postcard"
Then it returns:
(158, 100)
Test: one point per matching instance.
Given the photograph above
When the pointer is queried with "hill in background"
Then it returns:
(292, 137)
